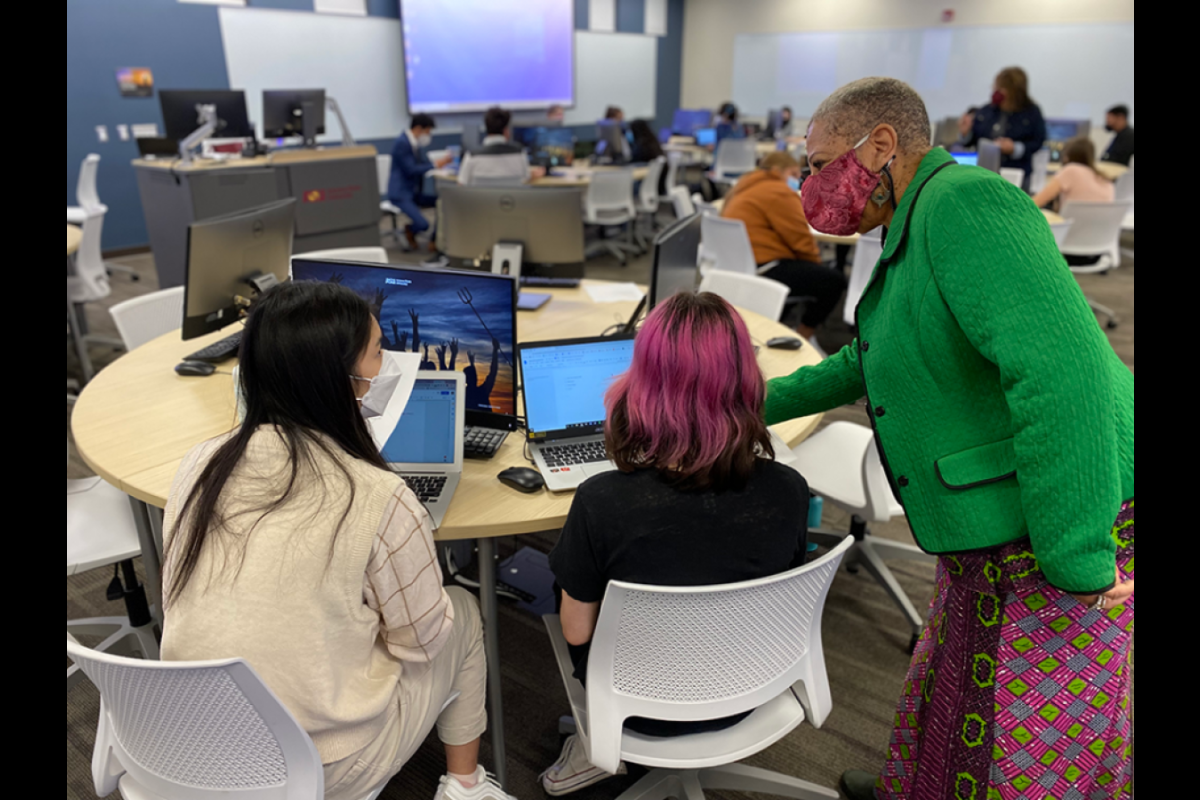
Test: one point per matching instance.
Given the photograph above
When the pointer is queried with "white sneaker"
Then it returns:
(573, 771)
(485, 788)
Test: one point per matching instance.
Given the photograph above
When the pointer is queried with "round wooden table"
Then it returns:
(74, 237)
(137, 419)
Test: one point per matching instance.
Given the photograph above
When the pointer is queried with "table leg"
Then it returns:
(151, 560)
(489, 603)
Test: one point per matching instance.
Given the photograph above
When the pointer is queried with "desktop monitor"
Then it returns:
(181, 119)
(472, 138)
(613, 143)
(294, 113)
(230, 260)
(990, 157)
(548, 222)
(676, 255)
(706, 137)
(687, 122)
(1064, 130)
(774, 123)
(946, 133)
(458, 321)
(548, 147)
(966, 159)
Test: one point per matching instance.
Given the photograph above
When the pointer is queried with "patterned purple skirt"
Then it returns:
(1017, 691)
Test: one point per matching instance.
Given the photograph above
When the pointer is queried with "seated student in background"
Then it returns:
(728, 126)
(500, 161)
(767, 201)
(410, 165)
(698, 500)
(556, 115)
(1121, 149)
(291, 545)
(1078, 180)
(647, 148)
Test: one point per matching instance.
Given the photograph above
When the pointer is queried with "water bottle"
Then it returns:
(816, 511)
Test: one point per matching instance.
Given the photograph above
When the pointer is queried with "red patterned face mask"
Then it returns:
(836, 198)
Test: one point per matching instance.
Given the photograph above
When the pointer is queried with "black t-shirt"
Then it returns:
(637, 528)
(1121, 149)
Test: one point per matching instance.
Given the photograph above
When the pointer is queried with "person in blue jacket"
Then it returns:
(409, 167)
(1012, 120)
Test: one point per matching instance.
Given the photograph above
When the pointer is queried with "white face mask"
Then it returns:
(425, 140)
(376, 400)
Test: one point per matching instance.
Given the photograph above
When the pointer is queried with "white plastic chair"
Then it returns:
(1039, 175)
(842, 465)
(1060, 231)
(101, 532)
(89, 284)
(682, 200)
(725, 245)
(704, 207)
(196, 731)
(1014, 176)
(691, 654)
(365, 255)
(1124, 193)
(86, 195)
(1096, 231)
(609, 202)
(735, 158)
(674, 162)
(144, 319)
(383, 165)
(648, 200)
(763, 296)
(867, 253)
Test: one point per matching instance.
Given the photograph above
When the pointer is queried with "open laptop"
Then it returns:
(565, 383)
(427, 447)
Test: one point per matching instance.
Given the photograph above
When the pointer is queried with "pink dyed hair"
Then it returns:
(692, 404)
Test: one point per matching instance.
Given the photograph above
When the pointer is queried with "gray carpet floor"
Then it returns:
(865, 635)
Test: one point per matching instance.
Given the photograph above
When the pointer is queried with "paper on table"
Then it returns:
(383, 426)
(614, 292)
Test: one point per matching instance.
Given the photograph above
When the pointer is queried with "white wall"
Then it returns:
(712, 27)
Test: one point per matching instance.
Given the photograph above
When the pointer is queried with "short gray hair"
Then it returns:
(854, 110)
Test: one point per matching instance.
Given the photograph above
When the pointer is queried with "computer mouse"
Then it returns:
(195, 369)
(785, 343)
(523, 479)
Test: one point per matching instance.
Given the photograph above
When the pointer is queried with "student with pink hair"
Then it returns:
(698, 499)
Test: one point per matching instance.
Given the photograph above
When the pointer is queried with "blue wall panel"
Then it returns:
(631, 16)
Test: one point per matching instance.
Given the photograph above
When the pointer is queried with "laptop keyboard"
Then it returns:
(428, 488)
(569, 455)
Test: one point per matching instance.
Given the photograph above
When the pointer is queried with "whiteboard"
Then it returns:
(1075, 71)
(614, 69)
(357, 60)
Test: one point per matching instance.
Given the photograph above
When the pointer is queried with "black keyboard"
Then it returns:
(553, 283)
(221, 351)
(483, 443)
(570, 455)
(426, 487)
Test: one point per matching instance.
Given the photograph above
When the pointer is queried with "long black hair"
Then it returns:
(301, 345)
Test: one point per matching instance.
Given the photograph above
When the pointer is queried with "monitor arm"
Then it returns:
(207, 117)
(347, 138)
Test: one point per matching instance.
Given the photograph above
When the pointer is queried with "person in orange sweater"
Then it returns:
(768, 202)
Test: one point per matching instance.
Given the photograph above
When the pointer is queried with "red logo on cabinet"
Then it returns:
(331, 195)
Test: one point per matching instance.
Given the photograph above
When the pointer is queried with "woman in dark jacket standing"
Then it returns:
(1012, 120)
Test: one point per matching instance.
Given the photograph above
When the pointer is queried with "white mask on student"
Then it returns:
(425, 140)
(383, 386)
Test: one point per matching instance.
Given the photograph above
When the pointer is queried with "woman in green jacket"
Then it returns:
(1006, 426)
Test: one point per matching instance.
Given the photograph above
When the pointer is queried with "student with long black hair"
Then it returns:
(290, 544)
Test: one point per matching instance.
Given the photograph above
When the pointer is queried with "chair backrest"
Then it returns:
(366, 255)
(1060, 231)
(87, 196)
(736, 157)
(196, 731)
(383, 165)
(705, 207)
(1040, 173)
(674, 161)
(689, 654)
(648, 196)
(867, 253)
(144, 319)
(90, 273)
(610, 190)
(1014, 176)
(1095, 229)
(682, 200)
(880, 498)
(763, 296)
(1125, 188)
(727, 246)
